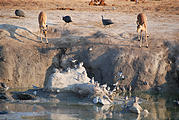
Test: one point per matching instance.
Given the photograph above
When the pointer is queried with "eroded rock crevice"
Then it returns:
(145, 71)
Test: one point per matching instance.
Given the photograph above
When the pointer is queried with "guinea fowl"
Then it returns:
(20, 13)
(3, 87)
(106, 21)
(67, 19)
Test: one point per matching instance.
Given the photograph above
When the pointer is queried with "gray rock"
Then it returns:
(23, 96)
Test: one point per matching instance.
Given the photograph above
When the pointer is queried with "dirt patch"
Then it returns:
(158, 6)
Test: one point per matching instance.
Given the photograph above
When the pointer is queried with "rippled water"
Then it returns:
(159, 107)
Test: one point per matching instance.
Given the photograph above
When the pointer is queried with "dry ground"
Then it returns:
(154, 6)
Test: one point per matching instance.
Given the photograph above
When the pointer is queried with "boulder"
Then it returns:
(64, 79)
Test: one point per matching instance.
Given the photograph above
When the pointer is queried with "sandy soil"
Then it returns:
(158, 6)
(87, 26)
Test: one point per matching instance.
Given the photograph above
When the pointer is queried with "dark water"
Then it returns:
(159, 107)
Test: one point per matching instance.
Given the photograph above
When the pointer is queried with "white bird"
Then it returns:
(105, 91)
(97, 84)
(76, 66)
(120, 73)
(3, 87)
(130, 88)
(115, 84)
(123, 77)
(115, 89)
(92, 80)
(100, 101)
(68, 69)
(95, 100)
(81, 64)
(90, 49)
(123, 89)
(35, 92)
(126, 98)
(108, 88)
(58, 90)
(104, 85)
(73, 61)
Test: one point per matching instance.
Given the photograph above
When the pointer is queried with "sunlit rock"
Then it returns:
(65, 79)
(75, 80)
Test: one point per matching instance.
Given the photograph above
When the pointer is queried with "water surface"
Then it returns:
(159, 107)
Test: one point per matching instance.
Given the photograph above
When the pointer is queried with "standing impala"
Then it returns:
(42, 25)
(142, 26)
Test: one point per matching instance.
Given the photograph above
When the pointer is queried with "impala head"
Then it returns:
(139, 28)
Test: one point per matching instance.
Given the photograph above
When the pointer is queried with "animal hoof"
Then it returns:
(147, 46)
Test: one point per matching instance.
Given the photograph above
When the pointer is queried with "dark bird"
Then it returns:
(67, 19)
(106, 21)
(3, 87)
(20, 13)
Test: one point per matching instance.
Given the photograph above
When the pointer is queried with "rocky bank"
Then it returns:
(24, 61)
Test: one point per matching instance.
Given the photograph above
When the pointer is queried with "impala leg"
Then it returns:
(146, 39)
(46, 37)
(41, 35)
(140, 39)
